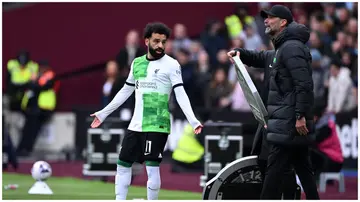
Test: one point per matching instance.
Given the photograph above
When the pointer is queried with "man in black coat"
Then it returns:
(262, 59)
(289, 103)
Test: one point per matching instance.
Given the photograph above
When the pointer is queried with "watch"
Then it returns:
(298, 116)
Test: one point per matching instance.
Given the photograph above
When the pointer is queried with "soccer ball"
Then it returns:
(41, 171)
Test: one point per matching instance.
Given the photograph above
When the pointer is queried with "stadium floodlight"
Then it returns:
(250, 92)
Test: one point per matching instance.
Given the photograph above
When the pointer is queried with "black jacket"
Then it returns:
(290, 87)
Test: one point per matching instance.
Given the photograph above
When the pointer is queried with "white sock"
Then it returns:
(122, 182)
(153, 183)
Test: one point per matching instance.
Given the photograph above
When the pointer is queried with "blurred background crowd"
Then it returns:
(210, 79)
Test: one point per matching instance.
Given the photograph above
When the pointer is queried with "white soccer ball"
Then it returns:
(41, 171)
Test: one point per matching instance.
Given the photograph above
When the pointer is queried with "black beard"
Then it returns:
(155, 54)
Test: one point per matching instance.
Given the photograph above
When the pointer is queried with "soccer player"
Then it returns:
(152, 76)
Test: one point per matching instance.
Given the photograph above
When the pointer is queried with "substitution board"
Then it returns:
(250, 92)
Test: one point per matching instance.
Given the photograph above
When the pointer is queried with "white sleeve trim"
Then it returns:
(185, 106)
(118, 100)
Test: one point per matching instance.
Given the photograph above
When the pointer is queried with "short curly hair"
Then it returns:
(156, 27)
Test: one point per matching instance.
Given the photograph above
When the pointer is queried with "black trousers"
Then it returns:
(34, 121)
(282, 157)
(288, 185)
(261, 148)
(9, 149)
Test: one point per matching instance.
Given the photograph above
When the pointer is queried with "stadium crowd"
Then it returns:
(210, 79)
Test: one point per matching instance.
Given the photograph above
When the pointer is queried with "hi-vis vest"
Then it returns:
(21, 75)
(235, 26)
(188, 149)
(47, 98)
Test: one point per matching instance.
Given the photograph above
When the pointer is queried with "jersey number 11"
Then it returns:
(147, 147)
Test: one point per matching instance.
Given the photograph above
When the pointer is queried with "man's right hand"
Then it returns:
(301, 126)
(96, 123)
(231, 54)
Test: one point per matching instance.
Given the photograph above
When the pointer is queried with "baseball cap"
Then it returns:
(279, 11)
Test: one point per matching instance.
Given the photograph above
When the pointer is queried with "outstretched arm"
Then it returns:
(256, 59)
(183, 99)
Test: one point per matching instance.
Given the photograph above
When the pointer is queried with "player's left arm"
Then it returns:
(182, 98)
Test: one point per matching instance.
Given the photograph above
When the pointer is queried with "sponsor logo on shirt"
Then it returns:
(145, 84)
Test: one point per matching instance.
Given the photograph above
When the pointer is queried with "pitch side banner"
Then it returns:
(347, 130)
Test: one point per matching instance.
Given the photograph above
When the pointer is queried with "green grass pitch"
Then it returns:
(78, 189)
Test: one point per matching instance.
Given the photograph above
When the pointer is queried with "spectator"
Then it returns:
(218, 93)
(315, 42)
(169, 48)
(350, 43)
(188, 72)
(238, 100)
(252, 39)
(340, 96)
(329, 12)
(297, 10)
(195, 50)
(212, 41)
(303, 20)
(343, 17)
(260, 23)
(327, 155)
(318, 74)
(19, 74)
(346, 59)
(111, 75)
(341, 37)
(352, 27)
(336, 49)
(223, 60)
(237, 43)
(181, 39)
(203, 77)
(203, 74)
(131, 50)
(236, 22)
(39, 103)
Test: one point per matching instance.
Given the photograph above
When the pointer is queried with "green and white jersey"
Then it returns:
(154, 80)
